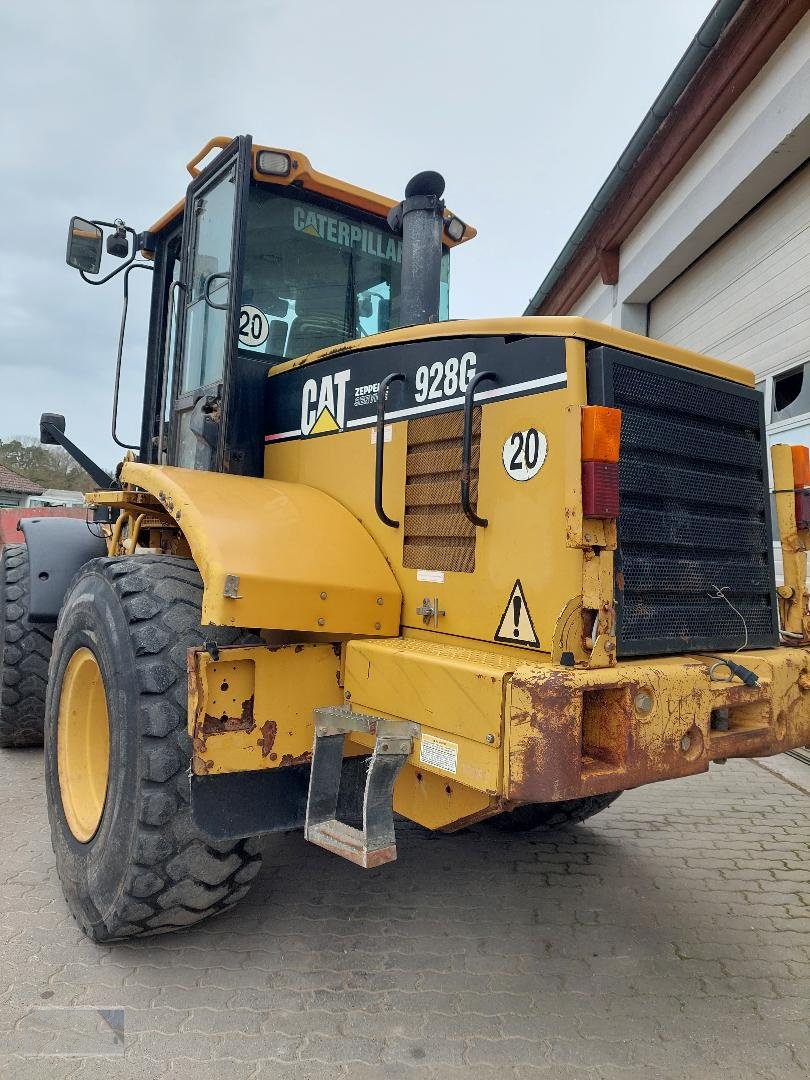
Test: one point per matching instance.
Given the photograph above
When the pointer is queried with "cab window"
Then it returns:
(316, 275)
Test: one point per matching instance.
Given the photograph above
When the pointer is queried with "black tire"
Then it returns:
(147, 869)
(554, 815)
(25, 650)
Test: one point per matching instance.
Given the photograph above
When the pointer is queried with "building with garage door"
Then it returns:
(700, 236)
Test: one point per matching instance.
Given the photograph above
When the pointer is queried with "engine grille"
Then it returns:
(694, 508)
(437, 535)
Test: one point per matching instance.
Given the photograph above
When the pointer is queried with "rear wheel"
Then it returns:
(130, 859)
(25, 649)
(555, 815)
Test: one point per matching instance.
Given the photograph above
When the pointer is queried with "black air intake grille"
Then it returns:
(694, 508)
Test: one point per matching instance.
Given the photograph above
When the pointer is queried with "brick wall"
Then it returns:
(10, 534)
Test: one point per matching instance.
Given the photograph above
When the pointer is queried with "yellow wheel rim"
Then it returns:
(83, 745)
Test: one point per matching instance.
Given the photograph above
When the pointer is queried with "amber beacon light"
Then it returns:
(801, 484)
(601, 430)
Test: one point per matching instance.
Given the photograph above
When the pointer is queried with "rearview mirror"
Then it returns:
(84, 245)
(50, 419)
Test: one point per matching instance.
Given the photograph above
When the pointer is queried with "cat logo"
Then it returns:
(323, 404)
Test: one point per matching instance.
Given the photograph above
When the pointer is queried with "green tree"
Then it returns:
(48, 466)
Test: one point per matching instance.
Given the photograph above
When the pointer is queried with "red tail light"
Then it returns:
(600, 489)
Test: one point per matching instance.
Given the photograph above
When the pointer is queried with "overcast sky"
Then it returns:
(523, 105)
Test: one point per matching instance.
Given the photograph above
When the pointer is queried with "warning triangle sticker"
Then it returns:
(516, 626)
(325, 422)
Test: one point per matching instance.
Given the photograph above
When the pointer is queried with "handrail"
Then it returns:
(220, 141)
(395, 376)
(207, 290)
(119, 357)
(166, 356)
(466, 448)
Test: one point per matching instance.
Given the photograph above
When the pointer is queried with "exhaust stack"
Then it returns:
(419, 217)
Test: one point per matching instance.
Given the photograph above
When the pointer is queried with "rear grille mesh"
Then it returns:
(437, 535)
(694, 510)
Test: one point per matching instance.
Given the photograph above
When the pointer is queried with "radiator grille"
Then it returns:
(694, 509)
(437, 535)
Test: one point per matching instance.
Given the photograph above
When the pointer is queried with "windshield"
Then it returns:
(316, 275)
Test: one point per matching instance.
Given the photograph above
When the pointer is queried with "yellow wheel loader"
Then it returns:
(365, 561)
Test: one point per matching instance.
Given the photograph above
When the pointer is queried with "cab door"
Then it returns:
(208, 317)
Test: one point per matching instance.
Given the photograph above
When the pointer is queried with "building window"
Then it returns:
(791, 394)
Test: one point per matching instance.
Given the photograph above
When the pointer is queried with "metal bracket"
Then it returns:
(375, 842)
(430, 611)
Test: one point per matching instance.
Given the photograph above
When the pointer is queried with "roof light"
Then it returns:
(273, 163)
(454, 227)
(801, 466)
(601, 429)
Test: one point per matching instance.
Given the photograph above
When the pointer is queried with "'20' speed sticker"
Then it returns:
(253, 327)
(524, 453)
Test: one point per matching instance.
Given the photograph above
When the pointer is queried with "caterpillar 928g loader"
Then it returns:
(367, 561)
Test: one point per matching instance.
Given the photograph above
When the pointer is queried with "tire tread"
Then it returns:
(25, 652)
(177, 876)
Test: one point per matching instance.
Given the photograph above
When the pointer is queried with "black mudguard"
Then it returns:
(57, 549)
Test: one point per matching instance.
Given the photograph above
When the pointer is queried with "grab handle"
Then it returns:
(466, 447)
(396, 376)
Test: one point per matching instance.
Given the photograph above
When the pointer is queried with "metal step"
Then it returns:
(375, 842)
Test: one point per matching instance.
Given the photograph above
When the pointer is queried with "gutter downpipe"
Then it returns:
(692, 60)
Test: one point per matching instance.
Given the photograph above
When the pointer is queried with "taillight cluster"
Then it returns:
(601, 430)
(801, 485)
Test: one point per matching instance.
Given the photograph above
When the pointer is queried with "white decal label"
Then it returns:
(388, 434)
(524, 453)
(440, 381)
(323, 404)
(439, 753)
(516, 626)
(436, 576)
(253, 327)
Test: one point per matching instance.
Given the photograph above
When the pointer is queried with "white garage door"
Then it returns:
(748, 298)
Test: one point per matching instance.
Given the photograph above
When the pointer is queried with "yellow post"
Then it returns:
(793, 605)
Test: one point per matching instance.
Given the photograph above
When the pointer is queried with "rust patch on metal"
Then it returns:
(269, 731)
(201, 766)
(573, 736)
(218, 725)
(297, 759)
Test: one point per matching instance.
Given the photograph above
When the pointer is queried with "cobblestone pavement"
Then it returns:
(669, 937)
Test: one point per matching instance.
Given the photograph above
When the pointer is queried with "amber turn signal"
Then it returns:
(801, 466)
(601, 429)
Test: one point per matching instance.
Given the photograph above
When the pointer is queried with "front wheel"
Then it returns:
(129, 857)
(554, 815)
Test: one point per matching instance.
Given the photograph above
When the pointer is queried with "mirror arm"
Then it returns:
(95, 472)
(123, 266)
(129, 268)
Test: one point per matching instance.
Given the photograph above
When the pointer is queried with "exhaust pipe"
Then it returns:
(419, 217)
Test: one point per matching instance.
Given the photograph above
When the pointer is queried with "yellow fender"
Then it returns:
(275, 555)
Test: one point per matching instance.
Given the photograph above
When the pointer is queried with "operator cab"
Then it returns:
(265, 260)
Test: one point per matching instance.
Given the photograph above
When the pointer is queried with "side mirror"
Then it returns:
(84, 245)
(54, 420)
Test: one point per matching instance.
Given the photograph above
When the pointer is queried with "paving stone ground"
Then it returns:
(667, 938)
